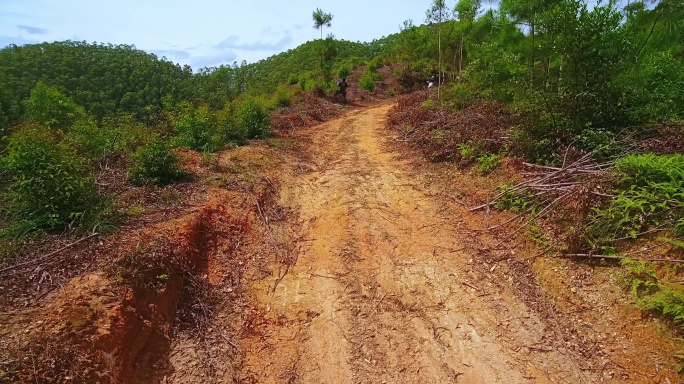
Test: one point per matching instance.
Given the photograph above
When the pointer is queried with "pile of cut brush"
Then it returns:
(566, 194)
(663, 138)
(307, 109)
(438, 131)
(593, 207)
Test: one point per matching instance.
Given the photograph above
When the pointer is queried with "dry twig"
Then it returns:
(38, 260)
(590, 256)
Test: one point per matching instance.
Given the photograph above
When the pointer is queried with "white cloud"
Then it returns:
(231, 43)
(214, 60)
(171, 53)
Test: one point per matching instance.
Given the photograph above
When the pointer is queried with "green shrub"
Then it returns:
(196, 130)
(7, 107)
(283, 96)
(230, 129)
(292, 79)
(49, 107)
(49, 184)
(468, 151)
(154, 163)
(129, 136)
(429, 104)
(346, 65)
(461, 94)
(343, 72)
(652, 88)
(91, 141)
(375, 64)
(487, 163)
(602, 143)
(535, 142)
(255, 120)
(306, 84)
(367, 80)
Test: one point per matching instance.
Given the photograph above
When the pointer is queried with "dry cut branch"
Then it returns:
(575, 186)
(38, 260)
(582, 177)
(590, 256)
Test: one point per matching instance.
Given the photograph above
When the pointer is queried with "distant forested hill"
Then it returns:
(107, 79)
(267, 74)
(104, 79)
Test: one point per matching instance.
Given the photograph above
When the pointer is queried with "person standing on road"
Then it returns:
(342, 91)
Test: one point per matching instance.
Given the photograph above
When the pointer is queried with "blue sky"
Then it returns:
(201, 32)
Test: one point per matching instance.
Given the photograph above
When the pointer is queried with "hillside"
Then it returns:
(108, 80)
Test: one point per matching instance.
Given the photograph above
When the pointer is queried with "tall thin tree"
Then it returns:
(322, 19)
(527, 12)
(465, 11)
(438, 13)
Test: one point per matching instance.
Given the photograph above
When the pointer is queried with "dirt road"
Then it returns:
(383, 289)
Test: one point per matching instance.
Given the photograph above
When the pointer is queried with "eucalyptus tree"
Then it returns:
(104, 79)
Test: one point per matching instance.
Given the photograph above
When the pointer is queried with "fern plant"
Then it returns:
(650, 194)
(665, 299)
(642, 278)
(669, 302)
